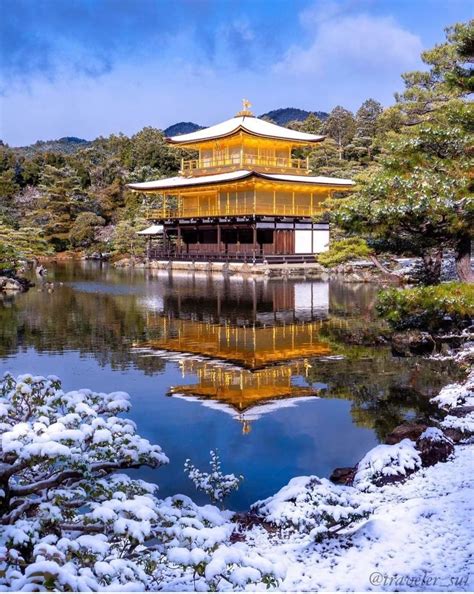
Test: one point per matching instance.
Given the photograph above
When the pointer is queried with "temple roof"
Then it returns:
(249, 124)
(170, 183)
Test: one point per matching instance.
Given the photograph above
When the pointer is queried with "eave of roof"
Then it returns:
(250, 125)
(205, 180)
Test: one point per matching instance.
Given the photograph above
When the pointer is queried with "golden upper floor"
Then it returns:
(244, 142)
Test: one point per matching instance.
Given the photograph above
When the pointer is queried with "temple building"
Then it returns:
(244, 197)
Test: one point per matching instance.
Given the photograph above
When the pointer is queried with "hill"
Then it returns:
(289, 114)
(181, 128)
(67, 145)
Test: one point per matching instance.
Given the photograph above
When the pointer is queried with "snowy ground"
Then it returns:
(420, 538)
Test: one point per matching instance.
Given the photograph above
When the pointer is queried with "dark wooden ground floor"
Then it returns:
(247, 241)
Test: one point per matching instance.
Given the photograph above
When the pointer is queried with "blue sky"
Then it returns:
(95, 67)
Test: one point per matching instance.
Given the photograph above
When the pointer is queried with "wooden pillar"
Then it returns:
(218, 238)
(163, 206)
(178, 240)
(254, 238)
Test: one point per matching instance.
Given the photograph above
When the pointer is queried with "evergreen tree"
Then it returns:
(341, 127)
(63, 198)
(83, 230)
(366, 125)
(20, 244)
(418, 200)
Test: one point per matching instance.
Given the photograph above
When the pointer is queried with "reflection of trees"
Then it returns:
(384, 390)
(350, 299)
(100, 324)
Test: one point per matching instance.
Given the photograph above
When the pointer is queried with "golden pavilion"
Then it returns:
(244, 197)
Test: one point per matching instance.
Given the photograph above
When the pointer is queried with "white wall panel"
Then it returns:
(320, 241)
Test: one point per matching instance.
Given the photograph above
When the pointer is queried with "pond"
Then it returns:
(258, 368)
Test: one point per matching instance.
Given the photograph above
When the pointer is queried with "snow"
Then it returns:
(319, 179)
(419, 529)
(152, 230)
(183, 182)
(314, 506)
(456, 395)
(251, 125)
(386, 461)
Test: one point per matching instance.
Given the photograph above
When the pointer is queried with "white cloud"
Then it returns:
(360, 43)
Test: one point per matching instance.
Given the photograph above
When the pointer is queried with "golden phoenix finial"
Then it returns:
(245, 111)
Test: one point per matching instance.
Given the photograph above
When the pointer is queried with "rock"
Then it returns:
(454, 434)
(405, 431)
(461, 411)
(13, 285)
(344, 475)
(434, 451)
(123, 263)
(413, 342)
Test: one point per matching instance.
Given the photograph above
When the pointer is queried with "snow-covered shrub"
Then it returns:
(455, 395)
(215, 484)
(234, 565)
(387, 463)
(464, 424)
(69, 521)
(314, 506)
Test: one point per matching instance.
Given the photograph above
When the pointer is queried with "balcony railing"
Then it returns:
(244, 161)
(232, 211)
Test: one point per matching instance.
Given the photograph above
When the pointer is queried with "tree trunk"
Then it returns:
(390, 275)
(463, 260)
(432, 267)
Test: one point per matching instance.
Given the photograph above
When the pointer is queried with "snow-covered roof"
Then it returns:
(248, 124)
(153, 230)
(170, 183)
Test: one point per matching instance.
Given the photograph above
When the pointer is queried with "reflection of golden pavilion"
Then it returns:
(242, 388)
(243, 343)
(248, 346)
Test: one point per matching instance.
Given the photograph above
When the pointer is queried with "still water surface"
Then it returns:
(260, 369)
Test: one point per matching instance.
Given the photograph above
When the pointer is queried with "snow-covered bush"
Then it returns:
(387, 463)
(314, 506)
(215, 484)
(69, 521)
(464, 424)
(455, 395)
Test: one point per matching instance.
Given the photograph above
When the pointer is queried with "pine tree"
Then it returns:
(63, 198)
(418, 200)
(366, 125)
(341, 127)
